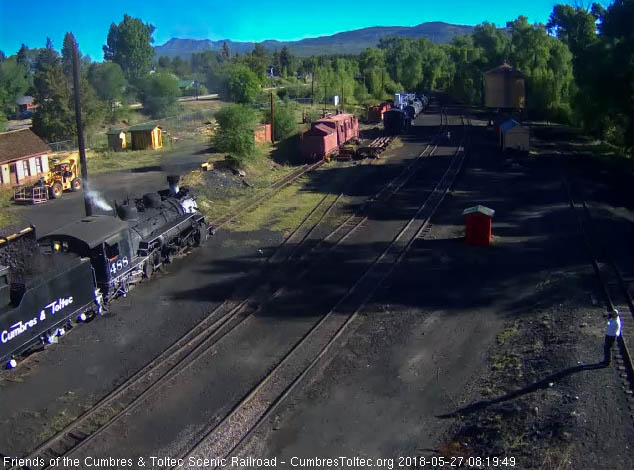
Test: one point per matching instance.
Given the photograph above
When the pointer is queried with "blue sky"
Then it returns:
(29, 22)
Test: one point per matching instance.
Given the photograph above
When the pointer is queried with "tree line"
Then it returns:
(579, 69)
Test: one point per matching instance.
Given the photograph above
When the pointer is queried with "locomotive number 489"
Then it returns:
(118, 265)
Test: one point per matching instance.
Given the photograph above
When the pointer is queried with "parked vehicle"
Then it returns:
(63, 176)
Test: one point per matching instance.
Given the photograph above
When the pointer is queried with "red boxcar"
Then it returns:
(375, 113)
(327, 135)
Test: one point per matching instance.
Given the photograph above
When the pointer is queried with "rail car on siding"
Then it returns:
(407, 107)
(327, 135)
(77, 269)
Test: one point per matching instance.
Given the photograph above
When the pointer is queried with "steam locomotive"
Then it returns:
(76, 270)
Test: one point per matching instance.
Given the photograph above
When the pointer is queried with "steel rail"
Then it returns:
(235, 420)
(193, 343)
(592, 248)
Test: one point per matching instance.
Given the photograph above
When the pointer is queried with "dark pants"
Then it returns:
(607, 348)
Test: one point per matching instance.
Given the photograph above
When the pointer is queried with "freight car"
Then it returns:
(327, 135)
(407, 107)
(376, 112)
(81, 267)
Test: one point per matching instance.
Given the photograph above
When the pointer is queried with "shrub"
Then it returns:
(285, 124)
(243, 84)
(236, 124)
(159, 94)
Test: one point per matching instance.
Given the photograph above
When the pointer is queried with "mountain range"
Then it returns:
(348, 42)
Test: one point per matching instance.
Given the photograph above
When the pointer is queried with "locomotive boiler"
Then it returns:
(74, 271)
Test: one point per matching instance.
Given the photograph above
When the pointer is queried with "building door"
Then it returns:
(13, 174)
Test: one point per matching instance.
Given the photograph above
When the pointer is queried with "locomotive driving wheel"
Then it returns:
(148, 269)
(200, 236)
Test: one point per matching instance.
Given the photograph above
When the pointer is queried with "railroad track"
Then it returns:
(224, 318)
(266, 193)
(130, 394)
(608, 274)
(226, 437)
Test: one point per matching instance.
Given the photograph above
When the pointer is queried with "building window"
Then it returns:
(25, 168)
(38, 165)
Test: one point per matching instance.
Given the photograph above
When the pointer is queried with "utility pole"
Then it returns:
(80, 129)
(325, 94)
(382, 89)
(312, 89)
(272, 119)
(343, 101)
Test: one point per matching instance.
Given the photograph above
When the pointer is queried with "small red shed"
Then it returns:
(478, 225)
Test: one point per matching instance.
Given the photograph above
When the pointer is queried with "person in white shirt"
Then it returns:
(612, 331)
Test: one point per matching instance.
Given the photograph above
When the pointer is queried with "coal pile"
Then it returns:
(27, 263)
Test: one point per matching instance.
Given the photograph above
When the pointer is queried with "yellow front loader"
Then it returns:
(63, 176)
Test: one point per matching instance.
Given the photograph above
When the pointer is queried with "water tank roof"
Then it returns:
(505, 69)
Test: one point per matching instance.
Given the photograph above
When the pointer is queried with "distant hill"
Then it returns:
(348, 42)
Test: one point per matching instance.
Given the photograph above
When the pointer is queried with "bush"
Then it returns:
(294, 91)
(191, 91)
(159, 94)
(236, 124)
(285, 124)
(243, 84)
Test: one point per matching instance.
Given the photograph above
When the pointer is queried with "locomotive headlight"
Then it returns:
(12, 364)
(82, 318)
(57, 246)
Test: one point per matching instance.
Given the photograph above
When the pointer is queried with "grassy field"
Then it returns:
(214, 202)
(7, 212)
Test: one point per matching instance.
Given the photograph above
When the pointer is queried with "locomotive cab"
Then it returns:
(104, 239)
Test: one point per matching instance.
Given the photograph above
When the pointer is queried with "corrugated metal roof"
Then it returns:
(481, 209)
(115, 131)
(143, 127)
(19, 144)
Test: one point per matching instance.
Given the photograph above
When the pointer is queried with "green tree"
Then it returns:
(164, 62)
(159, 94)
(494, 44)
(617, 76)
(129, 44)
(67, 55)
(54, 118)
(286, 60)
(257, 61)
(22, 55)
(225, 54)
(13, 84)
(243, 84)
(180, 68)
(236, 125)
(547, 64)
(109, 83)
(285, 122)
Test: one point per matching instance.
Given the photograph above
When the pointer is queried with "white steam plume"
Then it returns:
(96, 199)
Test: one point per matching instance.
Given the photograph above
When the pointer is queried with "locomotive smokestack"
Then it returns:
(172, 181)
